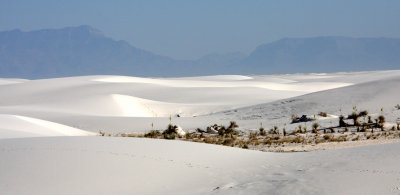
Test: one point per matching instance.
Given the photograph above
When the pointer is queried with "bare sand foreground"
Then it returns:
(109, 165)
(49, 141)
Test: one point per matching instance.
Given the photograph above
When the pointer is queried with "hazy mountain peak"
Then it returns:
(83, 29)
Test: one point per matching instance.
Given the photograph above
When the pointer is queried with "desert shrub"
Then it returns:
(299, 129)
(170, 136)
(381, 121)
(303, 118)
(101, 133)
(253, 135)
(319, 140)
(305, 129)
(370, 120)
(341, 121)
(315, 127)
(294, 118)
(210, 140)
(274, 130)
(354, 116)
(199, 130)
(363, 128)
(341, 138)
(230, 130)
(228, 141)
(327, 137)
(170, 129)
(170, 132)
(298, 139)
(253, 141)
(262, 131)
(363, 113)
(323, 114)
(189, 135)
(267, 141)
(355, 138)
(153, 134)
(221, 130)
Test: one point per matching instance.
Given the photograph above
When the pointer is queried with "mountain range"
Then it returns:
(84, 50)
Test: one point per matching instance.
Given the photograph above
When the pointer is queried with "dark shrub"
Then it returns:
(153, 134)
(323, 114)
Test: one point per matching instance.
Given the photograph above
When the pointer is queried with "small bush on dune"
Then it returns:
(327, 137)
(323, 114)
(341, 121)
(370, 120)
(298, 130)
(363, 113)
(170, 136)
(253, 135)
(153, 134)
(274, 130)
(303, 118)
(190, 135)
(262, 131)
(170, 132)
(315, 127)
(228, 141)
(225, 131)
(381, 121)
(211, 140)
(354, 116)
(305, 129)
(341, 138)
(298, 139)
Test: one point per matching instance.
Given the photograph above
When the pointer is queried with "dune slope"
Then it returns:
(13, 126)
(121, 103)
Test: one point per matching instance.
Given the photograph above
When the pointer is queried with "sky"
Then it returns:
(189, 29)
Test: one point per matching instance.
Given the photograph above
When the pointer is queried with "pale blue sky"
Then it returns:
(188, 29)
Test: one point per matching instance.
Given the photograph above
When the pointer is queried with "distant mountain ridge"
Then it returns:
(84, 50)
(71, 51)
(325, 54)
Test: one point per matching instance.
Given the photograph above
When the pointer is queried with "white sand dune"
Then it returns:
(104, 102)
(116, 104)
(11, 81)
(12, 126)
(116, 96)
(371, 96)
(105, 165)
(225, 82)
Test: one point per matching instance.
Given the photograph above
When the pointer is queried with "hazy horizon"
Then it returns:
(192, 29)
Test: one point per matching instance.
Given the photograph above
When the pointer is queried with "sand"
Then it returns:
(48, 128)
